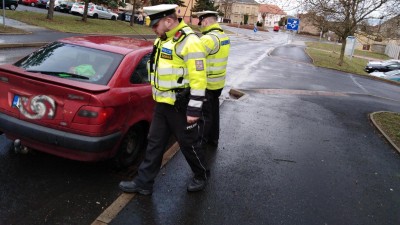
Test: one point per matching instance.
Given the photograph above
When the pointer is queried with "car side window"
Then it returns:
(140, 75)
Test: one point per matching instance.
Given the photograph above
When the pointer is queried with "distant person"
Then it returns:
(178, 78)
(217, 45)
(140, 19)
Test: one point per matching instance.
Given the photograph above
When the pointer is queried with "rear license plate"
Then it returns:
(16, 101)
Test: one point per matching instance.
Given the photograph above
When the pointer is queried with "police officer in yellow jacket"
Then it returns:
(178, 77)
(217, 45)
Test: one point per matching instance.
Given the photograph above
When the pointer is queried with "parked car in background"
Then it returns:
(29, 2)
(382, 66)
(56, 5)
(394, 78)
(276, 28)
(78, 8)
(385, 74)
(66, 6)
(42, 3)
(84, 98)
(11, 4)
(98, 11)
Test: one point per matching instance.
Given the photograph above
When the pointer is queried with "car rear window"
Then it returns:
(65, 60)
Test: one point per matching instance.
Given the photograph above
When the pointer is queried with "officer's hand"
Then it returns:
(191, 119)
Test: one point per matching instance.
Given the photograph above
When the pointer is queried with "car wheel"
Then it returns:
(32, 4)
(56, 8)
(113, 18)
(13, 7)
(95, 16)
(132, 147)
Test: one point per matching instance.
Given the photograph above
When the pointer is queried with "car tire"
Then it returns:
(113, 18)
(13, 7)
(95, 16)
(132, 147)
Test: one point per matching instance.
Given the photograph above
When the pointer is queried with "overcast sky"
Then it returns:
(292, 7)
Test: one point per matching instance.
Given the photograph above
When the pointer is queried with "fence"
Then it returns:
(393, 51)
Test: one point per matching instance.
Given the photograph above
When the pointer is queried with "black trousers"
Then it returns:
(209, 124)
(166, 121)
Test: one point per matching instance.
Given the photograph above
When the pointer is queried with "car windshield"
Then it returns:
(65, 60)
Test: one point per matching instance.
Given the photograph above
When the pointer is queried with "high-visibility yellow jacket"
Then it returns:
(217, 45)
(179, 62)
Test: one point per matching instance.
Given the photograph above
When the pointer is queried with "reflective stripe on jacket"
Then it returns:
(180, 63)
(217, 45)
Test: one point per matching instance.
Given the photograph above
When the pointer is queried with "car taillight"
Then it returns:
(93, 115)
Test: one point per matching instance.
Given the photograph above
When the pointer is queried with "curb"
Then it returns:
(23, 45)
(371, 117)
(119, 204)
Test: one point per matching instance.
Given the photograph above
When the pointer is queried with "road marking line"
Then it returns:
(358, 84)
(112, 211)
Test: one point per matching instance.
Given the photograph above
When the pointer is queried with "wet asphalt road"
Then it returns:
(297, 149)
(285, 159)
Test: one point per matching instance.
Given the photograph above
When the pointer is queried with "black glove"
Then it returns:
(182, 99)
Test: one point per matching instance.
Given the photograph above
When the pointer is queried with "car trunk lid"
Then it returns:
(42, 99)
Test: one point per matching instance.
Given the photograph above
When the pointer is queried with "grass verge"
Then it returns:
(74, 24)
(329, 59)
(336, 48)
(389, 122)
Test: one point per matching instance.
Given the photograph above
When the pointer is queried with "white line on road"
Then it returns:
(358, 84)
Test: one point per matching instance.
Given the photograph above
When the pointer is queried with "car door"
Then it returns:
(141, 99)
(102, 13)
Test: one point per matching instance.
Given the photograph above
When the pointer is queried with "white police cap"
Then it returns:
(205, 14)
(158, 12)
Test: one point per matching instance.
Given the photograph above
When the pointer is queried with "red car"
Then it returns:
(30, 2)
(83, 98)
(276, 28)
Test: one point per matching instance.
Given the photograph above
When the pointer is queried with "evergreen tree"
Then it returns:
(204, 5)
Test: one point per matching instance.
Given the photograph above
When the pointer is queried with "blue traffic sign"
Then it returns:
(255, 29)
(293, 24)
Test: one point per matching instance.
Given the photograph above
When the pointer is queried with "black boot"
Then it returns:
(132, 187)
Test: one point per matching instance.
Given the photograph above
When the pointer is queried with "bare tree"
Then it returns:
(343, 16)
(132, 22)
(50, 12)
(225, 6)
(85, 10)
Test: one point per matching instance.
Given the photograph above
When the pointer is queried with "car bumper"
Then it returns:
(58, 142)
